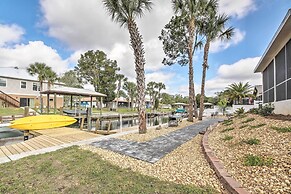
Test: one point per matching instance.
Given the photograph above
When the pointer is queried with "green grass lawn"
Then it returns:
(11, 111)
(73, 170)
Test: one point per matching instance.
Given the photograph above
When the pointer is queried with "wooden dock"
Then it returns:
(46, 138)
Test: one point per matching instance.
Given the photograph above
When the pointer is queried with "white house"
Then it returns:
(275, 65)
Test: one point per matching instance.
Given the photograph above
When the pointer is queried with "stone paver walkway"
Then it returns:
(153, 150)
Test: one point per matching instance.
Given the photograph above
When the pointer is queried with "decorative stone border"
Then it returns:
(229, 183)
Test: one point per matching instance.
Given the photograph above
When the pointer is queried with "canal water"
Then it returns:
(115, 124)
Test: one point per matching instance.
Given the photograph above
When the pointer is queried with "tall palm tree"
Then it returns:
(212, 29)
(236, 92)
(125, 13)
(192, 10)
(39, 69)
(120, 78)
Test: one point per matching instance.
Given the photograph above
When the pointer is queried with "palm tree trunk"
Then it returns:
(192, 100)
(205, 66)
(137, 45)
(40, 96)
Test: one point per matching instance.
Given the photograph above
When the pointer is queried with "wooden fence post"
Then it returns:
(26, 111)
(82, 122)
(89, 115)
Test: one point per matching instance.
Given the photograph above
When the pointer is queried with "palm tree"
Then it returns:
(51, 77)
(125, 12)
(130, 88)
(236, 92)
(39, 69)
(120, 78)
(213, 28)
(192, 10)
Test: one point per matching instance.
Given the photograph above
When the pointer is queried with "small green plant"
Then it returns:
(282, 129)
(248, 120)
(239, 111)
(227, 122)
(253, 160)
(227, 138)
(252, 141)
(243, 126)
(242, 116)
(257, 126)
(254, 111)
(227, 129)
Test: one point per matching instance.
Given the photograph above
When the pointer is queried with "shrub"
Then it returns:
(282, 129)
(254, 111)
(227, 138)
(227, 129)
(266, 109)
(252, 160)
(248, 120)
(252, 141)
(257, 126)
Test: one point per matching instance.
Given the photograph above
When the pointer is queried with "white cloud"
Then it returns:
(219, 45)
(238, 9)
(184, 89)
(10, 34)
(21, 55)
(240, 71)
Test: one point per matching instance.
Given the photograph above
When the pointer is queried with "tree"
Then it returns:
(51, 77)
(39, 69)
(154, 91)
(71, 79)
(223, 104)
(130, 88)
(120, 78)
(236, 92)
(125, 13)
(167, 98)
(95, 68)
(212, 28)
(180, 39)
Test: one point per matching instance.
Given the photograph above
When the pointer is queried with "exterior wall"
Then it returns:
(13, 88)
(277, 80)
(283, 107)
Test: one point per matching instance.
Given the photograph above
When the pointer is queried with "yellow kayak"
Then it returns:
(42, 122)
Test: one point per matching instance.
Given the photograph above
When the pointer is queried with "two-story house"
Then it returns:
(19, 89)
(275, 65)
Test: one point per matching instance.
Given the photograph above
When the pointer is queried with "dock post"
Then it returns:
(120, 122)
(82, 122)
(89, 116)
(26, 135)
(1, 120)
(97, 124)
(61, 110)
(26, 111)
(13, 117)
(109, 126)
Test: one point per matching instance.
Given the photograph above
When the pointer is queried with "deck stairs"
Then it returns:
(8, 101)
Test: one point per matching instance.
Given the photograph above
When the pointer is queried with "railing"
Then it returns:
(9, 99)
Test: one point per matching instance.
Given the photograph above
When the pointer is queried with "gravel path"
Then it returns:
(155, 149)
(276, 145)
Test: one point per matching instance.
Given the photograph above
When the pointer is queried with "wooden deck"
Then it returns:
(47, 138)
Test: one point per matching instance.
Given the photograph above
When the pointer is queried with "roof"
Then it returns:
(63, 90)
(281, 37)
(15, 73)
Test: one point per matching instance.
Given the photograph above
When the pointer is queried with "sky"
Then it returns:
(57, 32)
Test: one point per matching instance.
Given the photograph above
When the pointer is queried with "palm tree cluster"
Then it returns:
(196, 23)
(235, 92)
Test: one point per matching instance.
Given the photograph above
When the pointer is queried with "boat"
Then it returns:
(41, 122)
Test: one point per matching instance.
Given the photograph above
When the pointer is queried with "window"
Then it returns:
(281, 92)
(3, 82)
(288, 51)
(34, 86)
(23, 84)
(280, 66)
